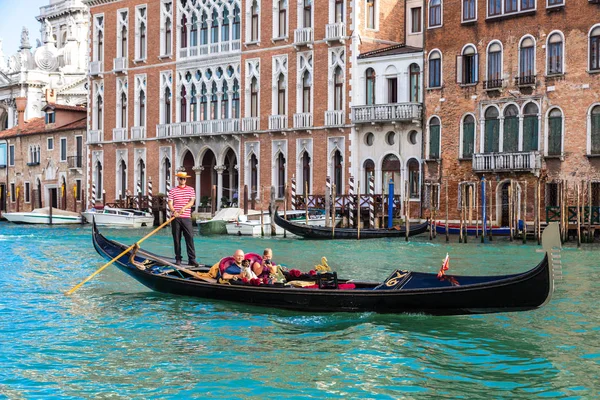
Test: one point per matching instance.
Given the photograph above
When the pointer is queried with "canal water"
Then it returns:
(114, 338)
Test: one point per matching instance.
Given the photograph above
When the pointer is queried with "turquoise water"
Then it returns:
(114, 338)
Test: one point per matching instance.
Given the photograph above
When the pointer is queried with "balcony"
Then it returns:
(303, 120)
(75, 162)
(200, 50)
(277, 122)
(120, 64)
(387, 113)
(95, 136)
(335, 118)
(96, 68)
(529, 161)
(303, 36)
(492, 84)
(525, 81)
(119, 134)
(198, 128)
(138, 132)
(335, 32)
(250, 124)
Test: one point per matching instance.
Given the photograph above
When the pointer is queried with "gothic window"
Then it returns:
(214, 28)
(167, 175)
(492, 130)
(99, 38)
(142, 113)
(435, 13)
(370, 86)
(184, 38)
(141, 177)
(435, 69)
(595, 49)
(100, 45)
(203, 103)
(235, 102)
(305, 173)
(254, 22)
(225, 26)
(183, 105)
(467, 66)
(306, 90)
(595, 130)
(338, 91)
(415, 83)
(468, 137)
(555, 54)
(253, 176)
(123, 178)
(167, 119)
(307, 13)
(468, 11)
(142, 53)
(141, 32)
(99, 112)
(214, 102)
(555, 132)
(434, 138)
(371, 14)
(510, 139)
(194, 31)
(168, 28)
(122, 34)
(98, 181)
(123, 110)
(281, 95)
(337, 172)
(193, 104)
(282, 18)
(280, 176)
(225, 102)
(254, 97)
(204, 30)
(236, 23)
(339, 11)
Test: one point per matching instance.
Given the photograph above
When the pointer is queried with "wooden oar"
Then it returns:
(119, 256)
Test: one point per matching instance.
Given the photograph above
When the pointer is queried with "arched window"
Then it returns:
(141, 177)
(492, 130)
(254, 22)
(193, 104)
(214, 29)
(435, 13)
(236, 23)
(203, 103)
(337, 171)
(305, 173)
(390, 170)
(595, 49)
(435, 69)
(510, 139)
(123, 178)
(167, 106)
(168, 35)
(235, 103)
(530, 127)
(555, 54)
(434, 138)
(204, 29)
(595, 130)
(370, 86)
(253, 176)
(214, 102)
(99, 112)
(142, 41)
(142, 121)
(254, 97)
(225, 26)
(369, 168)
(415, 82)
(338, 88)
(183, 105)
(280, 176)
(98, 180)
(467, 66)
(414, 179)
(527, 61)
(468, 137)
(225, 102)
(494, 65)
(184, 38)
(167, 175)
(123, 40)
(282, 6)
(100, 45)
(281, 95)
(123, 110)
(555, 124)
(306, 88)
(194, 31)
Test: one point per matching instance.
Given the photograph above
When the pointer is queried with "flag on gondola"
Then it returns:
(444, 267)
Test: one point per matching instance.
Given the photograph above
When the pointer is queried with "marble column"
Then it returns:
(220, 169)
(198, 171)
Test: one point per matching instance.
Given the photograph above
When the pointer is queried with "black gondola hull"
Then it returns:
(518, 292)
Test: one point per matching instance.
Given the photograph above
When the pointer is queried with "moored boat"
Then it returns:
(217, 225)
(454, 229)
(123, 217)
(401, 292)
(42, 216)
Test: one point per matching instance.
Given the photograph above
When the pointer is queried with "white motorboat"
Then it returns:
(42, 216)
(119, 217)
(251, 226)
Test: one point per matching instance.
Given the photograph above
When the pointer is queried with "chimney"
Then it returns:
(50, 96)
(21, 104)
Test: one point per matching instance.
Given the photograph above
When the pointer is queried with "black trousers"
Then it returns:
(179, 226)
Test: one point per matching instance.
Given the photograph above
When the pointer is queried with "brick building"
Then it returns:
(42, 159)
(512, 92)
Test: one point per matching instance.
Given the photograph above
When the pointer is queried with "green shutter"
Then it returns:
(468, 140)
(511, 135)
(530, 133)
(595, 132)
(434, 142)
(554, 136)
(491, 136)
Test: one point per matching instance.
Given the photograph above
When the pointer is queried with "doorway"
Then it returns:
(53, 197)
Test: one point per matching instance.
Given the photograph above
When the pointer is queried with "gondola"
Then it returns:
(321, 232)
(454, 229)
(402, 292)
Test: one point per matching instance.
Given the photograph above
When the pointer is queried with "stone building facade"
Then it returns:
(512, 93)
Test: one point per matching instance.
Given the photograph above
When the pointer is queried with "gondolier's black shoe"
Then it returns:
(194, 264)
(178, 262)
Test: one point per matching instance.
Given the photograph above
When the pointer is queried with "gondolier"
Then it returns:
(181, 199)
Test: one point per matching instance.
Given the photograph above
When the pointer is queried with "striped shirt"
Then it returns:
(180, 196)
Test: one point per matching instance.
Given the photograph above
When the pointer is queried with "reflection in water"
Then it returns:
(115, 338)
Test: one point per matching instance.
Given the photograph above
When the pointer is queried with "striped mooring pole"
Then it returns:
(150, 195)
(137, 194)
(293, 202)
(371, 201)
(351, 202)
(168, 189)
(327, 200)
(93, 196)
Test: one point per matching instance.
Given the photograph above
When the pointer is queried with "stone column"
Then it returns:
(198, 171)
(219, 169)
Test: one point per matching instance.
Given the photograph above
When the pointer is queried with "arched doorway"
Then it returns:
(208, 176)
(188, 166)
(230, 177)
(504, 202)
(390, 169)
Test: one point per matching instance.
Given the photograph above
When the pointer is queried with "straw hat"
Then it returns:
(182, 174)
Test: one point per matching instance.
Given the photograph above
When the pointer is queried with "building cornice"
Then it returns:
(93, 3)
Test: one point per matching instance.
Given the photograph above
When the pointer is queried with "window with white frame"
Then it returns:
(414, 94)
(252, 88)
(594, 38)
(121, 109)
(307, 13)
(555, 54)
(304, 78)
(336, 79)
(254, 23)
(166, 28)
(554, 127)
(140, 100)
(254, 97)
(527, 60)
(497, 8)
(11, 155)
(122, 32)
(63, 149)
(531, 130)
(99, 38)
(141, 32)
(594, 130)
(225, 25)
(371, 14)
(434, 128)
(555, 3)
(280, 19)
(414, 179)
(468, 137)
(491, 139)
(467, 66)
(50, 144)
(98, 180)
(370, 86)
(469, 10)
(435, 69)
(435, 13)
(280, 74)
(494, 64)
(415, 20)
(166, 97)
(338, 11)
(98, 105)
(510, 129)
